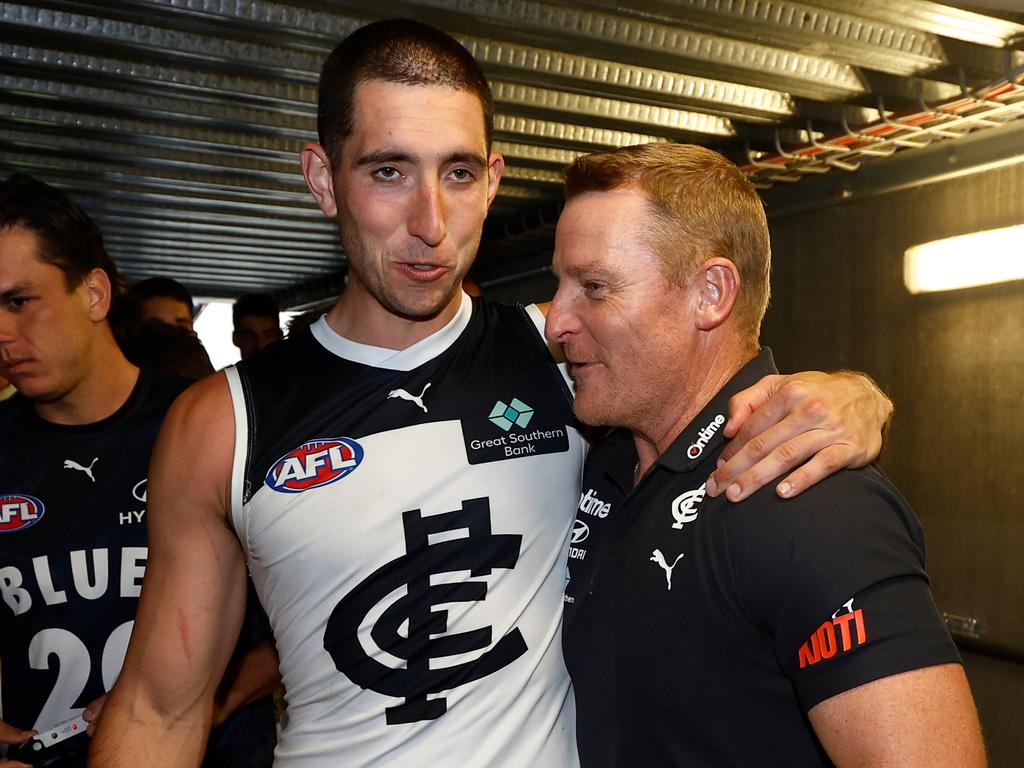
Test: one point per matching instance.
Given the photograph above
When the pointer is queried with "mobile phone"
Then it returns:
(46, 747)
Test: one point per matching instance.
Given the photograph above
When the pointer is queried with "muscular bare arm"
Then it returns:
(193, 594)
(919, 719)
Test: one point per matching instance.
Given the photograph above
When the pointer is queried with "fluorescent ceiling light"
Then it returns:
(981, 258)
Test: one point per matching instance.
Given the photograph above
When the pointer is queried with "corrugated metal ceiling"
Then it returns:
(178, 124)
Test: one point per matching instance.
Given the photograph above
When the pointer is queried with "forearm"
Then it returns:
(256, 675)
(132, 732)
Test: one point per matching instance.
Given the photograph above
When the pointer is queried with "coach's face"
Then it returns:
(46, 331)
(620, 322)
(411, 194)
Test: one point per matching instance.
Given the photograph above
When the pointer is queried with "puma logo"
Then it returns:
(657, 557)
(72, 464)
(418, 399)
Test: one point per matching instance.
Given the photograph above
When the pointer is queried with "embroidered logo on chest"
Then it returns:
(314, 464)
(686, 507)
(72, 464)
(403, 394)
(18, 512)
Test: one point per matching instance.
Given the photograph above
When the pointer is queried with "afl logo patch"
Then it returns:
(19, 512)
(315, 464)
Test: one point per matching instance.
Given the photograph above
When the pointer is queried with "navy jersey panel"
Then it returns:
(685, 615)
(72, 550)
(489, 357)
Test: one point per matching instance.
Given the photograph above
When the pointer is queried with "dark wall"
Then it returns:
(953, 363)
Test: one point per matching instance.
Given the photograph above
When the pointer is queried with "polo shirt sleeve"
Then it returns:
(836, 579)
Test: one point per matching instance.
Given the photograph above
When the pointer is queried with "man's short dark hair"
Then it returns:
(164, 287)
(396, 51)
(68, 239)
(254, 305)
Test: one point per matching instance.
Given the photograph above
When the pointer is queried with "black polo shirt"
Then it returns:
(698, 632)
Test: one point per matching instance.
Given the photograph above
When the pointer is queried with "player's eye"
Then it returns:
(387, 173)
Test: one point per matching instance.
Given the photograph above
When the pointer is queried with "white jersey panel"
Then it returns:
(305, 559)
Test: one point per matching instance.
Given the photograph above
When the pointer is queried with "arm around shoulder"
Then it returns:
(808, 424)
(193, 594)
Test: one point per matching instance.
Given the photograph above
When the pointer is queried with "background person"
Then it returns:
(73, 491)
(165, 300)
(257, 323)
(73, 494)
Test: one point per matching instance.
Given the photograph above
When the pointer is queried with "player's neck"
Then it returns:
(105, 388)
(360, 318)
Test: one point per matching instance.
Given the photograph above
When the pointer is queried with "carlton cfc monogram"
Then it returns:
(479, 553)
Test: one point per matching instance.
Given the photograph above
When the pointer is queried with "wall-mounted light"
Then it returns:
(980, 258)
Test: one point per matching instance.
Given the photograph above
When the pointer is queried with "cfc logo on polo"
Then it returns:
(704, 437)
(412, 628)
(843, 632)
(685, 507)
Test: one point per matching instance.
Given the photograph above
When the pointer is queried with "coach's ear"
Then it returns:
(718, 283)
(316, 169)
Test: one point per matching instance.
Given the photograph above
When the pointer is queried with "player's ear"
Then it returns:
(97, 285)
(495, 167)
(316, 169)
(718, 283)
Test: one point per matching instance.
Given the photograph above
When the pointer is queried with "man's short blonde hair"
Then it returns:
(702, 205)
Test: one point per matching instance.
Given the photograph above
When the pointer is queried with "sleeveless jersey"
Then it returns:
(406, 518)
(72, 550)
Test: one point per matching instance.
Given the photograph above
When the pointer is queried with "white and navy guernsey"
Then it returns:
(72, 550)
(698, 632)
(406, 516)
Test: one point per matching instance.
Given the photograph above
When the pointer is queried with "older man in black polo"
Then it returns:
(795, 632)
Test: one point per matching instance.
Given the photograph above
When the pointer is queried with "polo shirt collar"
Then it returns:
(703, 436)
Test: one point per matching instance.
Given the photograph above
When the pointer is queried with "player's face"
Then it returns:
(412, 193)
(168, 310)
(46, 331)
(615, 315)
(253, 333)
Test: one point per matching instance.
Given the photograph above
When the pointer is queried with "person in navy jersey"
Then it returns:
(698, 632)
(401, 476)
(73, 476)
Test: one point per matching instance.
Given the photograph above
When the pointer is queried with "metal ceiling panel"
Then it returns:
(178, 123)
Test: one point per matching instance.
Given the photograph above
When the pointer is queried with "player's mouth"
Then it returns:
(421, 271)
